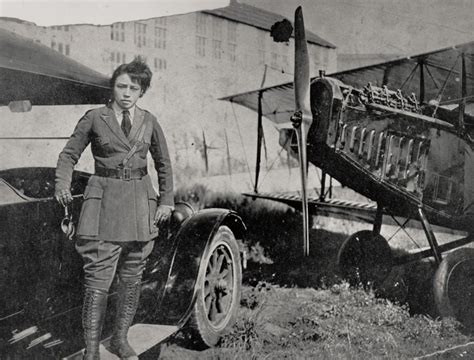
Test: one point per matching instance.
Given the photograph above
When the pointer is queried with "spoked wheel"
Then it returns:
(219, 295)
(453, 286)
(365, 259)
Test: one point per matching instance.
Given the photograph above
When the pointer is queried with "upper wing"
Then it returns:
(34, 72)
(439, 70)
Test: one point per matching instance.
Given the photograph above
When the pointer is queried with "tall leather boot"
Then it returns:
(128, 297)
(93, 315)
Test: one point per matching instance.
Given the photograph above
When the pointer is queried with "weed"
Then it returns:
(295, 307)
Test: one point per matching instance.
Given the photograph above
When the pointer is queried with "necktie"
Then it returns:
(126, 123)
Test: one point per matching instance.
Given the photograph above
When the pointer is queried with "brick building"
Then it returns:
(196, 58)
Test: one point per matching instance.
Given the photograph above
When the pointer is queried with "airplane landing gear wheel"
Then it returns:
(365, 259)
(219, 296)
(453, 286)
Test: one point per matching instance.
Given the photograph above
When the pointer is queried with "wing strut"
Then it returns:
(259, 133)
(462, 102)
(421, 62)
(259, 141)
(204, 151)
(229, 161)
(322, 194)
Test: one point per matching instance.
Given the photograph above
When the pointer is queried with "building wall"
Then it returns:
(196, 59)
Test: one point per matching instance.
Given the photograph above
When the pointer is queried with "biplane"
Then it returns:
(401, 134)
(193, 276)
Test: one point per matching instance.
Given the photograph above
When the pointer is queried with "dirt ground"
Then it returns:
(299, 282)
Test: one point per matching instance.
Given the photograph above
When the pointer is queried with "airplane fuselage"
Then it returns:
(383, 146)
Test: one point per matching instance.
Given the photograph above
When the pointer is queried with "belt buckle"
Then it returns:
(126, 174)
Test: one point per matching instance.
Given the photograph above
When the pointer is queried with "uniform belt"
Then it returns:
(121, 173)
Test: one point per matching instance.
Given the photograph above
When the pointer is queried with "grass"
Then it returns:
(334, 323)
(296, 307)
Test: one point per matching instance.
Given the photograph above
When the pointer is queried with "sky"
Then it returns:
(99, 12)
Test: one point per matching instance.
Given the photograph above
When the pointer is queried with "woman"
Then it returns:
(121, 212)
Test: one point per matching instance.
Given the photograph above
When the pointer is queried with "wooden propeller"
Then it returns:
(302, 119)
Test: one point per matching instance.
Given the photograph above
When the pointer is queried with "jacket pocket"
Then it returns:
(90, 212)
(144, 150)
(152, 206)
(102, 140)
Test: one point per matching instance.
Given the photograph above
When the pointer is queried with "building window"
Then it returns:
(117, 32)
(217, 49)
(161, 21)
(53, 45)
(60, 48)
(160, 64)
(117, 58)
(68, 50)
(217, 28)
(200, 46)
(232, 32)
(217, 37)
(140, 34)
(160, 37)
(201, 24)
(232, 40)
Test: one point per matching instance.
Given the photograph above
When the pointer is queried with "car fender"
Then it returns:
(192, 241)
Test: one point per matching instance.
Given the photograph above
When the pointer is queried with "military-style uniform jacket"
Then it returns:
(116, 209)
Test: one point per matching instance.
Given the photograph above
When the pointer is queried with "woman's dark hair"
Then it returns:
(138, 71)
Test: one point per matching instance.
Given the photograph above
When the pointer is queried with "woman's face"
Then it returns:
(126, 91)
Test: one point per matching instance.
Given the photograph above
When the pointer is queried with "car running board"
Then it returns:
(142, 337)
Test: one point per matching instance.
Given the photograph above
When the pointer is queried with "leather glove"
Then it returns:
(163, 215)
(64, 196)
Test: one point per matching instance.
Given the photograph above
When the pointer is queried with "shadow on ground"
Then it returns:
(286, 266)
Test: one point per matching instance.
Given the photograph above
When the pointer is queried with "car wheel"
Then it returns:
(218, 297)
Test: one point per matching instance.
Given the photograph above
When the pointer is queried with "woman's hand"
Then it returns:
(163, 215)
(64, 197)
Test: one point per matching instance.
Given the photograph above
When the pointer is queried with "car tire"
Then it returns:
(219, 290)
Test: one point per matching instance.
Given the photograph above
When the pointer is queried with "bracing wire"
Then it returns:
(273, 163)
(242, 143)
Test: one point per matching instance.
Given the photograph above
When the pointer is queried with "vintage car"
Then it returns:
(192, 279)
(193, 276)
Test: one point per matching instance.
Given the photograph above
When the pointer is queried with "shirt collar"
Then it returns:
(118, 112)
